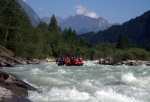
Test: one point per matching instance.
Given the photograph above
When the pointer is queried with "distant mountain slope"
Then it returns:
(47, 19)
(34, 18)
(137, 30)
(82, 24)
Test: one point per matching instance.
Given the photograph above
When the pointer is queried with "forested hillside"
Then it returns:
(18, 35)
(137, 30)
(15, 27)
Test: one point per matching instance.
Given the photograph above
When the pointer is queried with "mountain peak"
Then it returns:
(81, 23)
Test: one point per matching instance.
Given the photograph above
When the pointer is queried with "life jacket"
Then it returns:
(66, 60)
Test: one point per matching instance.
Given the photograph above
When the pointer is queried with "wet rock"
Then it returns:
(15, 87)
(107, 61)
(2, 81)
(6, 95)
(4, 75)
(50, 60)
(134, 62)
(33, 61)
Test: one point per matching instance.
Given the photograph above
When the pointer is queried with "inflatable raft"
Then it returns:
(70, 62)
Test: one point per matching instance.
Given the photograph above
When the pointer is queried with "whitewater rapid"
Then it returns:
(89, 83)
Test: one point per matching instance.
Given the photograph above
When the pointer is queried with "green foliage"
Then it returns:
(123, 43)
(140, 54)
(16, 25)
(137, 31)
(54, 36)
(118, 56)
(131, 54)
(53, 24)
(18, 35)
(70, 36)
(92, 54)
(149, 56)
(106, 50)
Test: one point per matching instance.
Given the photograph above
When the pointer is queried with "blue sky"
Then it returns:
(114, 11)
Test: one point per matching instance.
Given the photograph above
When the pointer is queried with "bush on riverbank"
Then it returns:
(131, 54)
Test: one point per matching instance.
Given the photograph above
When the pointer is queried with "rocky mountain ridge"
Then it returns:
(81, 24)
(137, 30)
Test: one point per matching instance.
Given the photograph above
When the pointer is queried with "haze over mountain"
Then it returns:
(81, 23)
(34, 18)
(47, 19)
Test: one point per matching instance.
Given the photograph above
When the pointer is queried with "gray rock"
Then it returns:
(13, 89)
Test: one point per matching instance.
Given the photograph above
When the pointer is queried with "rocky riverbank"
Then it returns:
(13, 89)
(8, 59)
(109, 61)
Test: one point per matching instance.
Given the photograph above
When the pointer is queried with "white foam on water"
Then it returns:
(89, 85)
(48, 67)
(20, 68)
(37, 97)
(93, 83)
(124, 66)
(128, 78)
(140, 82)
(36, 71)
(105, 68)
(61, 71)
(143, 66)
(73, 95)
(62, 84)
(30, 83)
(144, 82)
(54, 81)
(111, 96)
(89, 63)
(57, 94)
(87, 82)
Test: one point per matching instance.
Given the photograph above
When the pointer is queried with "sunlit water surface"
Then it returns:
(88, 83)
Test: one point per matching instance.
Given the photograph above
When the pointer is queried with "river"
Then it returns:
(88, 83)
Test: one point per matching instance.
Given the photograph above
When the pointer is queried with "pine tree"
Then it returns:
(75, 38)
(2, 36)
(120, 42)
(123, 43)
(17, 31)
(54, 36)
(53, 24)
(42, 40)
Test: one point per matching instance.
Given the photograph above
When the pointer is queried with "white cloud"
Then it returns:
(92, 14)
(80, 9)
(83, 11)
(40, 8)
(24, 0)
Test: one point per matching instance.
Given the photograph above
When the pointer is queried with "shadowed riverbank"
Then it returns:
(13, 89)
